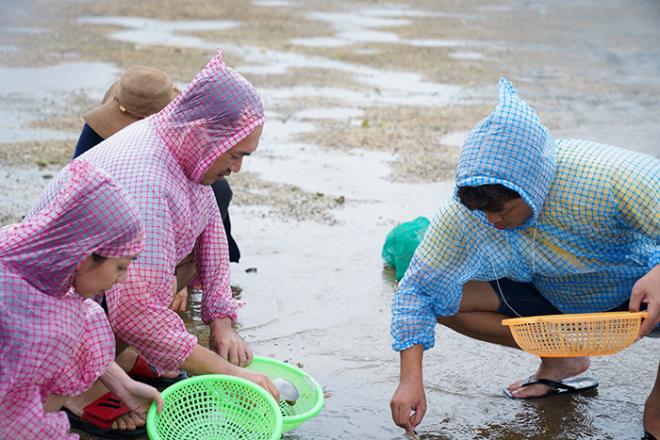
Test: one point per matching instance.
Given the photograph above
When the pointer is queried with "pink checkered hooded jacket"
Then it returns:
(53, 340)
(160, 161)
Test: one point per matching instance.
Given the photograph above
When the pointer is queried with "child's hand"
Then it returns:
(138, 397)
(408, 405)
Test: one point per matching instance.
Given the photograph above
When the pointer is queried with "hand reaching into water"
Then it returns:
(227, 343)
(408, 405)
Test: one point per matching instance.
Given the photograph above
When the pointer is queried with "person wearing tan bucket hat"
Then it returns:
(140, 92)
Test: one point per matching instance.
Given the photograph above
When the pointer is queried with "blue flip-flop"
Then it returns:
(558, 388)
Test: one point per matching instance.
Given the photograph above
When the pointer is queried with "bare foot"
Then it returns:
(551, 368)
(126, 360)
(127, 422)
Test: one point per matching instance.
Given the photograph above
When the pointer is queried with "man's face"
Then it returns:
(513, 214)
(232, 159)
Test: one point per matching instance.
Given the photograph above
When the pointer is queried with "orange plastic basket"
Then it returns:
(583, 334)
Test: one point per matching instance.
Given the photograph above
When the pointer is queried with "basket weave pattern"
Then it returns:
(215, 407)
(587, 334)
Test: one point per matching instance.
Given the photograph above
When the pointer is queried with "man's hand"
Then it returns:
(647, 290)
(408, 404)
(227, 343)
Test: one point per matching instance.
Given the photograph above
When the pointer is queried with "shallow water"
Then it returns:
(320, 295)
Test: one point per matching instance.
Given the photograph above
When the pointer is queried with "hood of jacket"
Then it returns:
(216, 111)
(510, 147)
(82, 212)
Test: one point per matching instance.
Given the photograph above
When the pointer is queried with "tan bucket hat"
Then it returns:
(140, 92)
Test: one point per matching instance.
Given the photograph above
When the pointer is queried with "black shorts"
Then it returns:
(526, 300)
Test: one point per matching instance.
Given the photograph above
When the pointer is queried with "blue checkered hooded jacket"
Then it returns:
(594, 231)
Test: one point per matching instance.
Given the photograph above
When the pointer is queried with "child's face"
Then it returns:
(94, 277)
(231, 160)
(513, 214)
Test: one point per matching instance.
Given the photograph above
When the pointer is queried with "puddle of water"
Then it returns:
(359, 175)
(466, 56)
(347, 38)
(22, 30)
(29, 94)
(61, 78)
(441, 95)
(354, 27)
(271, 3)
(146, 31)
(334, 113)
(454, 139)
(358, 19)
(407, 11)
(403, 88)
(19, 186)
(358, 26)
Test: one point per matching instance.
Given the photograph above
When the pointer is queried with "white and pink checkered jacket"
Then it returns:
(160, 161)
(54, 341)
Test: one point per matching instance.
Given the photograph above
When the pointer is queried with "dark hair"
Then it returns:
(489, 198)
(98, 258)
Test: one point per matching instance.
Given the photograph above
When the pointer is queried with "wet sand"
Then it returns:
(368, 103)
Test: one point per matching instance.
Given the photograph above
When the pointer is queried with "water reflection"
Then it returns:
(559, 417)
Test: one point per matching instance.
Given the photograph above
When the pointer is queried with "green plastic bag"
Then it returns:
(401, 242)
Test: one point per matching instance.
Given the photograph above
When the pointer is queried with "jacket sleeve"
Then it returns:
(23, 417)
(139, 308)
(212, 262)
(433, 283)
(636, 192)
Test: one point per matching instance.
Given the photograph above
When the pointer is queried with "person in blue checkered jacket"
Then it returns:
(536, 226)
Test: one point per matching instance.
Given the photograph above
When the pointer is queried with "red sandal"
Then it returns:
(144, 372)
(98, 416)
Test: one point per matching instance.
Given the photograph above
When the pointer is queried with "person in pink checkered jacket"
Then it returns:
(167, 163)
(55, 341)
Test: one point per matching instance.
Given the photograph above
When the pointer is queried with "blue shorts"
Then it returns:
(526, 300)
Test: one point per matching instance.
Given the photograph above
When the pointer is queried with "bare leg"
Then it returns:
(652, 409)
(126, 360)
(77, 404)
(185, 272)
(54, 402)
(478, 318)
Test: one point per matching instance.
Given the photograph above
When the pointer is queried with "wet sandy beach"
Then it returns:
(368, 104)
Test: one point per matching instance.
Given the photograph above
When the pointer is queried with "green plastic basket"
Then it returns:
(215, 406)
(310, 402)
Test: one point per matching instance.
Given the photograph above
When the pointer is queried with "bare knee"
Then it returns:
(453, 322)
(185, 272)
(479, 296)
